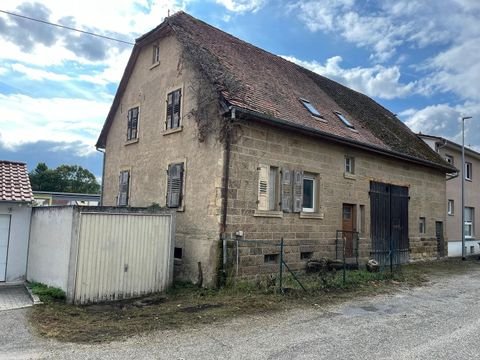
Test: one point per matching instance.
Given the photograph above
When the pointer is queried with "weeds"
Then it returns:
(47, 293)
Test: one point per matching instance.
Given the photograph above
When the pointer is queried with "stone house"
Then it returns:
(452, 153)
(243, 142)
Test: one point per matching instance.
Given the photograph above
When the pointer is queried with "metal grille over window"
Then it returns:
(173, 109)
(174, 185)
(124, 180)
(132, 126)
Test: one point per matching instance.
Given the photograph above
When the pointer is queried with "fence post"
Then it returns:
(281, 265)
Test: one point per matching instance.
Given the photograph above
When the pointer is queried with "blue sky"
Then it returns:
(419, 58)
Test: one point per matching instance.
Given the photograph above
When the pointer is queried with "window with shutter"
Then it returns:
(123, 187)
(263, 187)
(297, 191)
(287, 197)
(175, 185)
(132, 124)
(309, 201)
(173, 109)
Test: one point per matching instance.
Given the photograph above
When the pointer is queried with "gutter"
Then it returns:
(318, 133)
(226, 177)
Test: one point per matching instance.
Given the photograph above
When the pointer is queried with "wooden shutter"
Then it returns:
(286, 190)
(174, 185)
(263, 187)
(176, 109)
(297, 191)
(168, 122)
(124, 181)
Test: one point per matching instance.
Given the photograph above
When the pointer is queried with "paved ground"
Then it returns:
(14, 297)
(441, 321)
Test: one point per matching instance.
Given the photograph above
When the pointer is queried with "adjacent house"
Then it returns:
(53, 198)
(15, 210)
(452, 153)
(245, 143)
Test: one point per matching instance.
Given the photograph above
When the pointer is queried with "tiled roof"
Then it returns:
(271, 87)
(14, 182)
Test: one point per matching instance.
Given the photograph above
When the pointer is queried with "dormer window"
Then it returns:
(311, 108)
(344, 120)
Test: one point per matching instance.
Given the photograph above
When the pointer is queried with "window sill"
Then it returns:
(450, 214)
(311, 215)
(353, 130)
(172, 131)
(130, 142)
(466, 179)
(349, 176)
(154, 65)
(319, 118)
(268, 213)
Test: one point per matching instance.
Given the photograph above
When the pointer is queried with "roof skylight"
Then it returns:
(344, 120)
(311, 108)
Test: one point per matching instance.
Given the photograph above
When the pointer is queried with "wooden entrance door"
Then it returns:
(348, 227)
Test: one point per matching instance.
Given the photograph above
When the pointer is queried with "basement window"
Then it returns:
(344, 120)
(306, 255)
(310, 108)
(270, 259)
(178, 253)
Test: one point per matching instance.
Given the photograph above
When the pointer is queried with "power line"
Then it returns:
(66, 27)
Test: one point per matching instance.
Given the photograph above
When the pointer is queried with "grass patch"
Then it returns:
(186, 305)
(47, 293)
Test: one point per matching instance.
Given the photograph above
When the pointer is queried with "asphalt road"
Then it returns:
(439, 321)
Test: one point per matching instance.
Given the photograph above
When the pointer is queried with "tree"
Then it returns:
(65, 178)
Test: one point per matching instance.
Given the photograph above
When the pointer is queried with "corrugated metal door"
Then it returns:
(389, 223)
(123, 255)
(4, 237)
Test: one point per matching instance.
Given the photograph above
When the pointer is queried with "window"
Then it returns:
(423, 226)
(270, 259)
(132, 124)
(123, 187)
(450, 207)
(155, 54)
(469, 216)
(310, 108)
(468, 171)
(362, 220)
(306, 255)
(175, 185)
(177, 253)
(268, 188)
(308, 204)
(349, 165)
(344, 120)
(449, 159)
(173, 109)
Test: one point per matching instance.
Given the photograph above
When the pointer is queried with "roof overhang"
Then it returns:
(288, 125)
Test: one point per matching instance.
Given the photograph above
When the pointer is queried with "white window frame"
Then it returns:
(155, 54)
(468, 170)
(312, 178)
(422, 225)
(349, 165)
(450, 207)
(469, 224)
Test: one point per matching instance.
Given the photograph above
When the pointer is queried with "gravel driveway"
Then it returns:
(439, 321)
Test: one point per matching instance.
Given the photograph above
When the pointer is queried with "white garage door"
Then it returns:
(4, 235)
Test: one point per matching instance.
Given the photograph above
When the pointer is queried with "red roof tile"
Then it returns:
(14, 182)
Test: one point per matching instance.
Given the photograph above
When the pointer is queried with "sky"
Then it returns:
(418, 58)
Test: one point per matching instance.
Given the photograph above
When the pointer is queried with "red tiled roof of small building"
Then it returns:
(14, 182)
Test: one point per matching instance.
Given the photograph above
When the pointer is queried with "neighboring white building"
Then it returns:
(15, 210)
(452, 153)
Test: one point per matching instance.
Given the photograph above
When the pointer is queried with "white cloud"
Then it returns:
(241, 6)
(38, 74)
(378, 81)
(444, 120)
(51, 119)
(320, 15)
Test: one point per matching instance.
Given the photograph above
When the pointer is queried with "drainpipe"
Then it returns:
(226, 176)
(103, 175)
